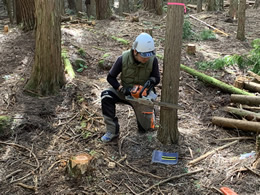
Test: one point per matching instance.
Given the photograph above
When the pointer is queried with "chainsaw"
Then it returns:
(146, 96)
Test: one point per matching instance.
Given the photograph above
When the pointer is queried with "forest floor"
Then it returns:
(47, 131)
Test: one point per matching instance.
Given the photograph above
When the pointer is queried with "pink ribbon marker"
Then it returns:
(182, 4)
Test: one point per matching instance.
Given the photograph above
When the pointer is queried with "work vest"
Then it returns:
(134, 73)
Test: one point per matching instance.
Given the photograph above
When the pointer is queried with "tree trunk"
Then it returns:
(257, 3)
(62, 7)
(72, 5)
(236, 124)
(214, 82)
(103, 10)
(91, 8)
(168, 132)
(123, 6)
(251, 116)
(245, 99)
(233, 9)
(25, 13)
(199, 6)
(211, 5)
(47, 75)
(241, 20)
(153, 5)
(78, 4)
(9, 6)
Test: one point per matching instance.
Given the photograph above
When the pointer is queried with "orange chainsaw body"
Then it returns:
(136, 90)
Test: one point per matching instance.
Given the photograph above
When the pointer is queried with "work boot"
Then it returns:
(108, 137)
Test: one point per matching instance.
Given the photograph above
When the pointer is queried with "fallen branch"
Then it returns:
(252, 86)
(252, 171)
(245, 99)
(211, 152)
(171, 178)
(251, 116)
(236, 124)
(215, 82)
(27, 186)
(235, 138)
(256, 76)
(209, 25)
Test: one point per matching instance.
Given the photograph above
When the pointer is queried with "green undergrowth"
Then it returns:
(250, 61)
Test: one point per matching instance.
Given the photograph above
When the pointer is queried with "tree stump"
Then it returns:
(239, 82)
(6, 28)
(79, 165)
(191, 49)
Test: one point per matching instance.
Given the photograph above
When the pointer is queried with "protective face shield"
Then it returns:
(144, 45)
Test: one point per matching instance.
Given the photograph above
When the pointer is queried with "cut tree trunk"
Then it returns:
(191, 49)
(214, 82)
(252, 86)
(256, 76)
(251, 116)
(79, 165)
(236, 124)
(245, 99)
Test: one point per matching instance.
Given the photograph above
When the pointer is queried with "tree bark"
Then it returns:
(153, 5)
(214, 82)
(251, 116)
(233, 7)
(91, 8)
(211, 5)
(25, 13)
(103, 10)
(123, 6)
(236, 124)
(241, 20)
(257, 3)
(72, 4)
(168, 132)
(47, 75)
(199, 6)
(78, 5)
(245, 99)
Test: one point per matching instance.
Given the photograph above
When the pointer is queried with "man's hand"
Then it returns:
(125, 91)
(149, 83)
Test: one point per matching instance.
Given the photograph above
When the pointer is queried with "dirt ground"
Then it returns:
(47, 131)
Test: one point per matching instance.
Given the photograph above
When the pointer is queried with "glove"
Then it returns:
(149, 83)
(125, 91)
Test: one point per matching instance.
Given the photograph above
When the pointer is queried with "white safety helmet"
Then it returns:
(144, 45)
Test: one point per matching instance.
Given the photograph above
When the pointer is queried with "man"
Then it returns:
(138, 66)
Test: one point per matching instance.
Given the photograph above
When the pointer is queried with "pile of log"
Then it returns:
(245, 109)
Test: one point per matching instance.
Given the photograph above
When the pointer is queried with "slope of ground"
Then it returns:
(49, 130)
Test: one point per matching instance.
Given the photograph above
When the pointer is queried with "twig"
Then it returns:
(211, 152)
(103, 189)
(143, 173)
(130, 189)
(13, 173)
(252, 171)
(68, 120)
(54, 164)
(169, 179)
(121, 143)
(194, 89)
(27, 186)
(235, 138)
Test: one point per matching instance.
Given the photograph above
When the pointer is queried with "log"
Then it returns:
(68, 67)
(236, 124)
(214, 82)
(6, 28)
(244, 99)
(191, 49)
(256, 76)
(79, 165)
(252, 86)
(251, 116)
(239, 82)
(252, 108)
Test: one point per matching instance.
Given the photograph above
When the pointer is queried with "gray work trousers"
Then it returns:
(144, 114)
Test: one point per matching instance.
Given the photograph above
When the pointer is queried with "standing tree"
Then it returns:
(79, 7)
(199, 6)
(91, 8)
(103, 10)
(241, 20)
(123, 6)
(25, 13)
(257, 3)
(168, 132)
(214, 5)
(233, 9)
(151, 5)
(47, 75)
(72, 4)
